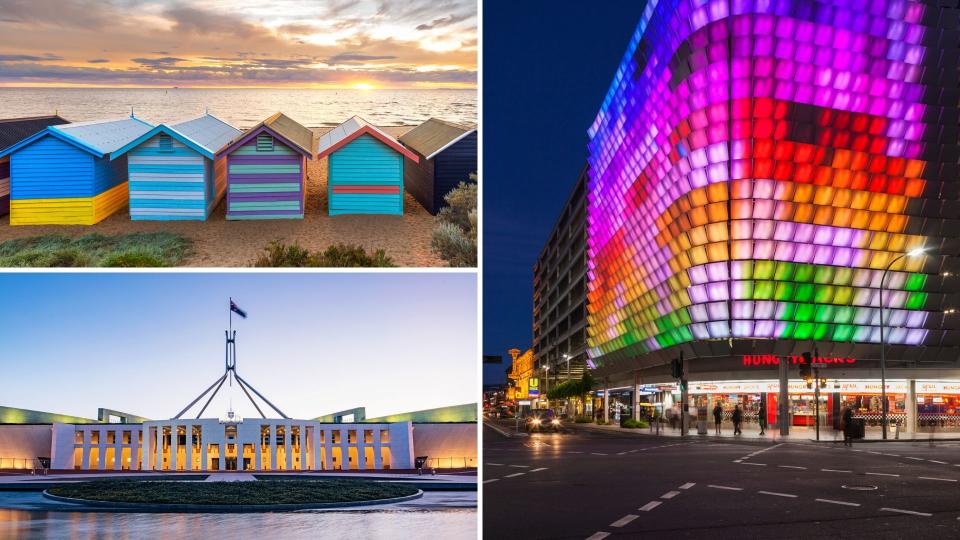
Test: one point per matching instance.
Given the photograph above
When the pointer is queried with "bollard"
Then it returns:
(896, 434)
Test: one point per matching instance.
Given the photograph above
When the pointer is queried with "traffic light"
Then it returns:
(806, 368)
(676, 368)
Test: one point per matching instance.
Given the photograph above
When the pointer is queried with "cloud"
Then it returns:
(356, 58)
(443, 21)
(157, 63)
(28, 58)
(97, 61)
(299, 29)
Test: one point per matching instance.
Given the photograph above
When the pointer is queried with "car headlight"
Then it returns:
(535, 421)
(555, 422)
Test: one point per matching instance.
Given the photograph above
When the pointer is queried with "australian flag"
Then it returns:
(236, 309)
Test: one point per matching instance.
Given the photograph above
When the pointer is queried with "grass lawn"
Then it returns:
(124, 250)
(259, 492)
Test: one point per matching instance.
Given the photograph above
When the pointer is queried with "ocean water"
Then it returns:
(243, 107)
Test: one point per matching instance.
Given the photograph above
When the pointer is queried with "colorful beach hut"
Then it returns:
(175, 171)
(267, 170)
(448, 155)
(364, 169)
(12, 131)
(63, 175)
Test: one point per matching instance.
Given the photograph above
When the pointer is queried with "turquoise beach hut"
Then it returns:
(175, 171)
(364, 169)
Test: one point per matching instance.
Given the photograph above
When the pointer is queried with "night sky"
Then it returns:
(545, 72)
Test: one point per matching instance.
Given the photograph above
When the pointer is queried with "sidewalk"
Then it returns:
(752, 433)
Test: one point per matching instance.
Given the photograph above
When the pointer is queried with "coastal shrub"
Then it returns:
(138, 249)
(455, 236)
(280, 255)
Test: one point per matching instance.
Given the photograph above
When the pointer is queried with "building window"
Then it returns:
(78, 437)
(352, 436)
(264, 143)
(111, 437)
(384, 435)
(336, 437)
(126, 437)
(94, 437)
(368, 436)
(165, 143)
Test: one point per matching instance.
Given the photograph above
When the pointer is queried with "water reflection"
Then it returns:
(448, 524)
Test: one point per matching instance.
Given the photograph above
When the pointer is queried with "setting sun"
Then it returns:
(363, 86)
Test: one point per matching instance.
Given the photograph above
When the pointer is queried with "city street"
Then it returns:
(588, 484)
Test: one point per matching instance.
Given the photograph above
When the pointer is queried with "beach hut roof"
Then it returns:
(205, 134)
(300, 137)
(339, 136)
(99, 137)
(434, 136)
(14, 130)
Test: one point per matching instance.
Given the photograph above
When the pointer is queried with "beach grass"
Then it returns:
(257, 492)
(158, 249)
(281, 255)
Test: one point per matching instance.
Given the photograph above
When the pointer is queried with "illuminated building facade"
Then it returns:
(754, 169)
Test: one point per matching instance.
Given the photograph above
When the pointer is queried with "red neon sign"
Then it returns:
(756, 360)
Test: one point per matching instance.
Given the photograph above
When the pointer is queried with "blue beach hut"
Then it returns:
(63, 175)
(448, 155)
(175, 171)
(364, 169)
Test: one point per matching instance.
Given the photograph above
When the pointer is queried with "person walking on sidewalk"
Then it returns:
(717, 417)
(846, 424)
(762, 417)
(737, 419)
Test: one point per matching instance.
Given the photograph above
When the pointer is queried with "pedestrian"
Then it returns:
(737, 419)
(846, 424)
(762, 417)
(717, 417)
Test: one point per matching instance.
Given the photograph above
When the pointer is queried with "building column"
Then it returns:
(258, 450)
(910, 426)
(273, 447)
(85, 458)
(174, 446)
(377, 449)
(158, 462)
(204, 445)
(606, 402)
(317, 466)
(118, 451)
(287, 448)
(636, 401)
(303, 447)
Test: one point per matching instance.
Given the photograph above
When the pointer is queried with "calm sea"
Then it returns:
(244, 107)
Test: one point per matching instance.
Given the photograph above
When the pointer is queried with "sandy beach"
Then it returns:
(220, 243)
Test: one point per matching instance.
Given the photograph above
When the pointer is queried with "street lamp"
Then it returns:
(915, 252)
(567, 358)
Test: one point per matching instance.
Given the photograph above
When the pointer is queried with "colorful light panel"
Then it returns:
(756, 165)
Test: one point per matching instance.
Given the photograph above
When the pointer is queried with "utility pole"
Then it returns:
(783, 399)
(678, 372)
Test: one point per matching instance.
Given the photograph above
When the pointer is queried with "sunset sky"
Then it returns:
(229, 43)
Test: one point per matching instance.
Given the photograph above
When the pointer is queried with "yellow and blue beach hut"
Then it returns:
(63, 175)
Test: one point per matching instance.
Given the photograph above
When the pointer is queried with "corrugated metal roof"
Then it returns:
(105, 136)
(14, 130)
(291, 130)
(339, 135)
(207, 131)
(433, 136)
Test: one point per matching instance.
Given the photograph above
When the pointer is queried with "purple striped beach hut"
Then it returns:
(267, 170)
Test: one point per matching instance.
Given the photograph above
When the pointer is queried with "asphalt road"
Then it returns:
(588, 485)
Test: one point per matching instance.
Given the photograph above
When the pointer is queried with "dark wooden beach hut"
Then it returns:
(176, 172)
(448, 155)
(267, 170)
(364, 169)
(63, 175)
(12, 131)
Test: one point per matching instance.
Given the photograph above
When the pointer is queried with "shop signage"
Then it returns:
(942, 387)
(755, 360)
(796, 387)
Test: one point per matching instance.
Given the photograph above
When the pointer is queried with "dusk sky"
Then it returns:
(313, 344)
(536, 115)
(222, 43)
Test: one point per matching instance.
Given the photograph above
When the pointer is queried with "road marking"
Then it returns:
(915, 458)
(621, 453)
(940, 479)
(893, 455)
(624, 520)
(496, 464)
(538, 469)
(597, 454)
(911, 512)
(515, 475)
(774, 493)
(882, 474)
(491, 480)
(757, 464)
(792, 467)
(599, 536)
(872, 452)
(520, 466)
(737, 460)
(833, 470)
(649, 506)
(935, 461)
(837, 502)
(574, 452)
(670, 494)
(688, 485)
(724, 487)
